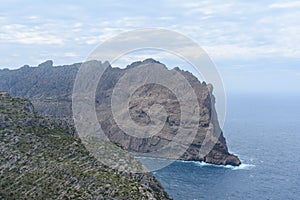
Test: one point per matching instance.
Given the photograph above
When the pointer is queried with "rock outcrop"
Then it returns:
(4, 94)
(50, 90)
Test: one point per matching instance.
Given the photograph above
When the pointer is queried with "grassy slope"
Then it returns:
(39, 160)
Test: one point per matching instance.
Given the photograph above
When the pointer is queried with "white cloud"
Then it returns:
(2, 18)
(203, 7)
(227, 31)
(224, 52)
(189, 4)
(291, 4)
(32, 17)
(166, 18)
(18, 33)
(71, 54)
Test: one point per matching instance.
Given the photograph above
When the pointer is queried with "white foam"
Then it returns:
(242, 166)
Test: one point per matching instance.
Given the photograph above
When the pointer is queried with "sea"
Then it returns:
(264, 131)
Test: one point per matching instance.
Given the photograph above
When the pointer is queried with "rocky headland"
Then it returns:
(50, 90)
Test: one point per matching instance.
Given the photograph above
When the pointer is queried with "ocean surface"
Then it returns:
(264, 131)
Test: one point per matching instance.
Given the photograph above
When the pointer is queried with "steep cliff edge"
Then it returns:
(50, 90)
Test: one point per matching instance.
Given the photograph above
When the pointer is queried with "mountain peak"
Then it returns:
(150, 60)
(146, 61)
(48, 63)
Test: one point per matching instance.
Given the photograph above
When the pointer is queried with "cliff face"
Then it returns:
(41, 160)
(50, 89)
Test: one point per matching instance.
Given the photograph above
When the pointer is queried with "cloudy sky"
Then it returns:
(254, 44)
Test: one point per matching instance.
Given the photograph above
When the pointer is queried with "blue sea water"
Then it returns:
(264, 131)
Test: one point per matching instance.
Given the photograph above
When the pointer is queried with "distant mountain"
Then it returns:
(50, 90)
(41, 160)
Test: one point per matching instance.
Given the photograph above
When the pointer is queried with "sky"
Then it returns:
(255, 45)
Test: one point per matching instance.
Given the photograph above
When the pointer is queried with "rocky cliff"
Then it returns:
(39, 159)
(50, 90)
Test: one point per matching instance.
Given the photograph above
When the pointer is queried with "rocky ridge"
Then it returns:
(50, 90)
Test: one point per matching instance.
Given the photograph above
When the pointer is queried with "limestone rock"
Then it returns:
(50, 90)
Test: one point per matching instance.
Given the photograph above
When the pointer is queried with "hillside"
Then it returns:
(41, 160)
